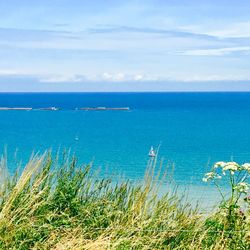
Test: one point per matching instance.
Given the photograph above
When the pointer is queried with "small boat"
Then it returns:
(151, 152)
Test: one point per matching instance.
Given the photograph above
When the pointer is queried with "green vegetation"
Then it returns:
(58, 204)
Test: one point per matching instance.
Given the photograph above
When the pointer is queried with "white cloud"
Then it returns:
(121, 77)
(138, 77)
(127, 77)
(113, 77)
(216, 52)
(232, 30)
(9, 72)
(110, 77)
(62, 78)
(236, 30)
(12, 73)
(103, 77)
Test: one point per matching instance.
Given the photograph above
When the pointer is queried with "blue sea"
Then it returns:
(193, 130)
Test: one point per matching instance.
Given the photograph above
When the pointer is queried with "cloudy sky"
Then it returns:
(114, 45)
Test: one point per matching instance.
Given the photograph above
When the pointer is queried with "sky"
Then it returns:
(132, 45)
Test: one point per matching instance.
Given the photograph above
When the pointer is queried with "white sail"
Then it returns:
(151, 152)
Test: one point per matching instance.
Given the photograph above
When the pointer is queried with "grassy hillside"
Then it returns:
(59, 204)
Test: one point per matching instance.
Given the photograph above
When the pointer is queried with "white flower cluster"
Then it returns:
(226, 166)
(221, 164)
(210, 176)
(242, 187)
(246, 166)
(231, 166)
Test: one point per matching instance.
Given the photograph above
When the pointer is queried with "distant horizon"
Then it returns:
(125, 92)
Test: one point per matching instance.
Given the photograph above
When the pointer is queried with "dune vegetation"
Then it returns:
(56, 203)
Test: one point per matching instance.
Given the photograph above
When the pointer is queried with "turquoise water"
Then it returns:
(193, 130)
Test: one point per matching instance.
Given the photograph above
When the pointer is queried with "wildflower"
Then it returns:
(204, 179)
(231, 166)
(246, 166)
(242, 187)
(220, 164)
(210, 176)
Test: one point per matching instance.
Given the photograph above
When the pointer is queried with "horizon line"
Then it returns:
(122, 92)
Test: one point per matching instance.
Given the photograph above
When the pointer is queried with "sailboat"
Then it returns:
(151, 152)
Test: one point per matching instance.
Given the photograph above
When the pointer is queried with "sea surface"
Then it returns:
(193, 130)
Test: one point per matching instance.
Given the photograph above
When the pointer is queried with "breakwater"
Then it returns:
(55, 108)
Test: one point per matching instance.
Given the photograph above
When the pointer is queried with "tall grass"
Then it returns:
(58, 204)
